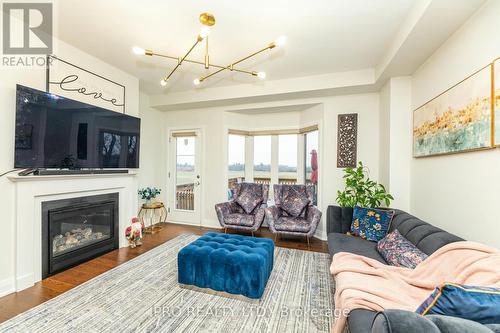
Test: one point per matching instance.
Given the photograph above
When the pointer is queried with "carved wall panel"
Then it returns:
(347, 139)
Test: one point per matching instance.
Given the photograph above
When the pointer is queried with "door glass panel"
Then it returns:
(185, 176)
(262, 159)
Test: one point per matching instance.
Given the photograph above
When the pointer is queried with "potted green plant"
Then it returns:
(361, 191)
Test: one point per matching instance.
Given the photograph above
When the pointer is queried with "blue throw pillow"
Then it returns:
(480, 304)
(371, 224)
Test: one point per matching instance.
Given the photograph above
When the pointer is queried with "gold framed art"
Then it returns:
(460, 119)
(495, 94)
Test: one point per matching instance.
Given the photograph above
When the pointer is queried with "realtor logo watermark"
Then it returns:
(27, 33)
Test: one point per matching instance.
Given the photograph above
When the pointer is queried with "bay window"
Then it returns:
(236, 160)
(287, 159)
(273, 157)
(262, 153)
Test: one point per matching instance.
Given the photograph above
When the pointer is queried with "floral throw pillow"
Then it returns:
(371, 224)
(294, 202)
(398, 251)
(250, 197)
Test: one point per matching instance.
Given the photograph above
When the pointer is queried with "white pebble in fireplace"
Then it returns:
(76, 238)
(33, 191)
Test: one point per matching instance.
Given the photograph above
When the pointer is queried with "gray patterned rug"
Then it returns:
(142, 295)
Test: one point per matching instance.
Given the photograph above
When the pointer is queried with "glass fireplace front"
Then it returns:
(75, 228)
(78, 229)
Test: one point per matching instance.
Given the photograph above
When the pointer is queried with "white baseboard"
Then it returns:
(320, 235)
(7, 286)
(189, 224)
(208, 223)
(25, 281)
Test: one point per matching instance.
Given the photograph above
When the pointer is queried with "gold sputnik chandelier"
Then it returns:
(207, 20)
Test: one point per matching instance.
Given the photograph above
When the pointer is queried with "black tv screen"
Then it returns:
(61, 133)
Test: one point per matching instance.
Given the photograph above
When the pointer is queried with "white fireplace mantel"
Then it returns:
(31, 191)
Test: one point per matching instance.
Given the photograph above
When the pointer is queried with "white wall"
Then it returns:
(153, 163)
(459, 192)
(395, 144)
(216, 121)
(385, 138)
(367, 107)
(35, 78)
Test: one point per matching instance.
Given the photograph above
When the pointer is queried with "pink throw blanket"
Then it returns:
(364, 283)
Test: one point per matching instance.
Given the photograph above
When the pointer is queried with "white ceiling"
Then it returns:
(323, 36)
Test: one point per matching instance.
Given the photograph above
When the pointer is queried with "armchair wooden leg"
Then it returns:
(275, 237)
(308, 244)
(252, 234)
(225, 230)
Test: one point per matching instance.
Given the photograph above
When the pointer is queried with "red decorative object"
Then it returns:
(314, 166)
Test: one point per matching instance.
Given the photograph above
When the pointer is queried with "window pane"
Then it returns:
(236, 160)
(311, 159)
(262, 159)
(185, 173)
(287, 159)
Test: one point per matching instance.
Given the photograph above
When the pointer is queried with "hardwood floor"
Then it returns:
(15, 303)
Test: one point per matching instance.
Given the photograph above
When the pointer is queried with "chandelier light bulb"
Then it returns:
(204, 32)
(138, 50)
(280, 41)
(163, 82)
(196, 82)
(261, 75)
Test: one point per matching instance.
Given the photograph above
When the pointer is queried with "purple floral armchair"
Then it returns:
(293, 212)
(245, 211)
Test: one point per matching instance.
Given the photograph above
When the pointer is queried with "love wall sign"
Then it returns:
(71, 81)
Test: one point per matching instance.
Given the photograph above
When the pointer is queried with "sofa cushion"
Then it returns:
(294, 202)
(398, 251)
(399, 321)
(447, 324)
(250, 196)
(294, 224)
(346, 243)
(240, 219)
(479, 304)
(281, 190)
(359, 320)
(339, 219)
(426, 237)
(371, 224)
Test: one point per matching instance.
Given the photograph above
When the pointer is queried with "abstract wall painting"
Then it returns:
(458, 120)
(496, 66)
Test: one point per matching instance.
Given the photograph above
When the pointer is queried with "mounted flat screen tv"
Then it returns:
(54, 132)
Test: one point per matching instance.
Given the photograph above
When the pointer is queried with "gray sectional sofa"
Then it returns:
(423, 235)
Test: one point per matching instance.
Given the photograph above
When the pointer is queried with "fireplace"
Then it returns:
(78, 229)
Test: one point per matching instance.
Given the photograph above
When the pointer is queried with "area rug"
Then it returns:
(142, 295)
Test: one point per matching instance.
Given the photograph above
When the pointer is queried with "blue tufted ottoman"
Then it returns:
(229, 263)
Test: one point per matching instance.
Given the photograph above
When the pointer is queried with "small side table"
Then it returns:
(152, 214)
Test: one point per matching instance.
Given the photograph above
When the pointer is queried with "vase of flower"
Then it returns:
(148, 194)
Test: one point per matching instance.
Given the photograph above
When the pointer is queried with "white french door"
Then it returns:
(184, 174)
